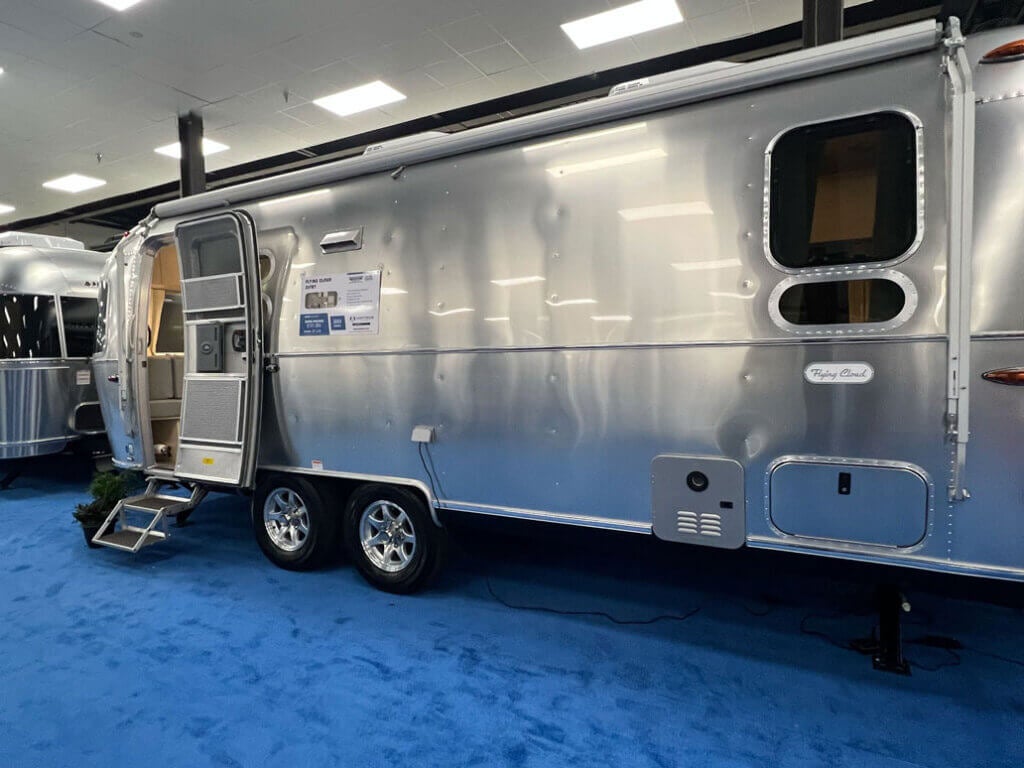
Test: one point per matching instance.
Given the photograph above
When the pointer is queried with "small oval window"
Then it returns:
(842, 302)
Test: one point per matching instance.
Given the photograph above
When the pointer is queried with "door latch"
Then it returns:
(270, 364)
(238, 341)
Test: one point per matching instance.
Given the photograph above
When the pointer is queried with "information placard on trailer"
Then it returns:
(340, 304)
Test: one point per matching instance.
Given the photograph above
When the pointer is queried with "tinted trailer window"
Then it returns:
(844, 192)
(28, 327)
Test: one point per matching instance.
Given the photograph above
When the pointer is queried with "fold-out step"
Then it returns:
(122, 529)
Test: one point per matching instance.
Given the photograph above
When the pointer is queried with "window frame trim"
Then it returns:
(839, 275)
(918, 126)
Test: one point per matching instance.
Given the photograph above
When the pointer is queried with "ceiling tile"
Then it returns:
(518, 79)
(42, 24)
(768, 14)
(469, 35)
(495, 59)
(453, 72)
(723, 25)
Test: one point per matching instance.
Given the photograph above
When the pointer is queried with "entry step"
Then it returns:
(130, 539)
(165, 504)
(121, 529)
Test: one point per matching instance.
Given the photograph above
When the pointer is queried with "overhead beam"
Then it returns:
(193, 165)
(823, 22)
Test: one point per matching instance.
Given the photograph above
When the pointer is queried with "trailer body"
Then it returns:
(746, 305)
(48, 292)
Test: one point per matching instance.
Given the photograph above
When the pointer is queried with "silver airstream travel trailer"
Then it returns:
(48, 290)
(735, 306)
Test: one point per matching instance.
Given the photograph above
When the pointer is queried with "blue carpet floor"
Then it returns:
(198, 652)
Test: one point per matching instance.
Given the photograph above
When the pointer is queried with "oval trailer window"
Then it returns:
(842, 302)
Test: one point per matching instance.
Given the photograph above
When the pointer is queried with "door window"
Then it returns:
(79, 316)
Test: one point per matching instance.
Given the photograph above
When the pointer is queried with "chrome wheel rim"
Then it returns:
(387, 536)
(286, 519)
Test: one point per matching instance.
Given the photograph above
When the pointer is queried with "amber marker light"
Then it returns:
(1012, 376)
(1010, 52)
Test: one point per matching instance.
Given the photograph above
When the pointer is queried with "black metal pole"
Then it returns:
(823, 22)
(193, 166)
(889, 657)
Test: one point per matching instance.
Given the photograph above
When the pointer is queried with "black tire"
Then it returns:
(311, 550)
(423, 561)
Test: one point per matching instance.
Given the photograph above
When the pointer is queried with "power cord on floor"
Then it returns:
(599, 614)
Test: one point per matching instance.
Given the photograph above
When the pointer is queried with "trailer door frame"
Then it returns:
(221, 303)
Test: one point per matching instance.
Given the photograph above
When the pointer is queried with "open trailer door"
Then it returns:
(223, 350)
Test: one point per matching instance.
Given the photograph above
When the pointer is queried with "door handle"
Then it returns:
(238, 341)
(114, 379)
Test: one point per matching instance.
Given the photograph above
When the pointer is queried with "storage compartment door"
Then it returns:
(879, 504)
(223, 350)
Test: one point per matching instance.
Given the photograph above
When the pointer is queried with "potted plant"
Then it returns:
(106, 489)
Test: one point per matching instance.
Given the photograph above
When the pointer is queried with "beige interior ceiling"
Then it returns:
(92, 91)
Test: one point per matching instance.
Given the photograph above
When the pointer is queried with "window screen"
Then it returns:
(171, 336)
(79, 325)
(28, 327)
(842, 302)
(844, 192)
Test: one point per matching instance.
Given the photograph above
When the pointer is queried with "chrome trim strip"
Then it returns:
(568, 518)
(854, 52)
(618, 347)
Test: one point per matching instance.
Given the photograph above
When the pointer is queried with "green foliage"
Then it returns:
(106, 489)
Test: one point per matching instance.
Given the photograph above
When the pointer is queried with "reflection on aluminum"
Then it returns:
(586, 137)
(496, 319)
(569, 302)
(691, 316)
(612, 318)
(698, 266)
(304, 264)
(732, 295)
(667, 210)
(392, 292)
(511, 282)
(560, 171)
(459, 311)
(294, 198)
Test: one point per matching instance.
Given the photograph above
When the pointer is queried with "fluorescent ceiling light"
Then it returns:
(210, 147)
(666, 210)
(606, 162)
(511, 282)
(459, 311)
(697, 266)
(612, 318)
(74, 182)
(120, 5)
(360, 99)
(624, 21)
(392, 292)
(586, 137)
(569, 302)
(4, 208)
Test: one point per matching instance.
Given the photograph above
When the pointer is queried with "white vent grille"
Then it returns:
(693, 524)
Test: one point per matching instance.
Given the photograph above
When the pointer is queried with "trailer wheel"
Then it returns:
(292, 524)
(391, 538)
